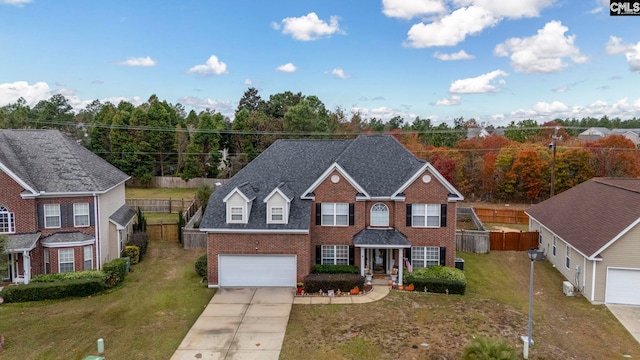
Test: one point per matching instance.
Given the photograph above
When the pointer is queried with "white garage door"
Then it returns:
(257, 270)
(623, 286)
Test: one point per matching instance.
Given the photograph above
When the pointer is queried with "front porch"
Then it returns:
(382, 253)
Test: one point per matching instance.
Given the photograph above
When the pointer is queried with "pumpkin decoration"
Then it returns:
(409, 287)
(355, 291)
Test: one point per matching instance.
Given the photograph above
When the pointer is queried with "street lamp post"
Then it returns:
(528, 341)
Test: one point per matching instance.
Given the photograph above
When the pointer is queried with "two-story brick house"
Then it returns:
(367, 202)
(61, 206)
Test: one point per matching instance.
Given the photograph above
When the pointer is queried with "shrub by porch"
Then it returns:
(344, 282)
(437, 279)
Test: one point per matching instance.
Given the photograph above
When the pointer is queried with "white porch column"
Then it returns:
(401, 265)
(26, 264)
(362, 264)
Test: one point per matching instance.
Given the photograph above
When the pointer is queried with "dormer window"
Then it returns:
(276, 214)
(237, 214)
(379, 215)
(278, 205)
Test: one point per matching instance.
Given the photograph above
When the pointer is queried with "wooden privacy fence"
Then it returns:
(163, 232)
(516, 241)
(503, 216)
(165, 206)
(194, 239)
(475, 241)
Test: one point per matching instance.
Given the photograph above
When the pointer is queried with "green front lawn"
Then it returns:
(146, 318)
(414, 325)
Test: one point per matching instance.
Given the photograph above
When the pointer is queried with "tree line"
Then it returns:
(157, 138)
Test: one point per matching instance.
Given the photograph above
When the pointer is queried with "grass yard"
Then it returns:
(159, 193)
(146, 318)
(495, 306)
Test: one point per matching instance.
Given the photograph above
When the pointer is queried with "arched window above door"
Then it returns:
(379, 215)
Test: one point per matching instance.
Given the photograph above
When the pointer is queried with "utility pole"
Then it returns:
(552, 146)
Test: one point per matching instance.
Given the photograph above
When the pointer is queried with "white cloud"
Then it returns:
(548, 108)
(213, 66)
(248, 82)
(11, 92)
(454, 100)
(509, 9)
(408, 9)
(633, 58)
(451, 29)
(616, 46)
(288, 68)
(18, 3)
(383, 113)
(223, 106)
(481, 84)
(139, 61)
(460, 55)
(308, 27)
(541, 53)
(339, 73)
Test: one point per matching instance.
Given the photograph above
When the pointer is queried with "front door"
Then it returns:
(379, 261)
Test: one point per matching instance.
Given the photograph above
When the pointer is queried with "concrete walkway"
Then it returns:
(629, 317)
(250, 323)
(239, 324)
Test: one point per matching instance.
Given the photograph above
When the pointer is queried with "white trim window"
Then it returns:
(88, 257)
(335, 214)
(65, 260)
(335, 254)
(237, 214)
(276, 215)
(553, 248)
(379, 215)
(7, 221)
(81, 214)
(567, 261)
(425, 215)
(51, 216)
(47, 262)
(425, 256)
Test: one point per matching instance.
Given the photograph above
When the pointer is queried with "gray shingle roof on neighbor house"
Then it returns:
(49, 161)
(590, 215)
(21, 242)
(378, 163)
(381, 238)
(123, 215)
(66, 237)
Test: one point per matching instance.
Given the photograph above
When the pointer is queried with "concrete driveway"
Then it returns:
(239, 324)
(629, 317)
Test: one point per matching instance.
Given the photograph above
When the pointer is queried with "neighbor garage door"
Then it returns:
(257, 270)
(623, 286)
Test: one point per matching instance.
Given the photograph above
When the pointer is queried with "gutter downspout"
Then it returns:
(593, 281)
(96, 205)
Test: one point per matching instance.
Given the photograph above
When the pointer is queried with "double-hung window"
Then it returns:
(81, 214)
(47, 262)
(425, 215)
(65, 260)
(567, 261)
(7, 222)
(88, 257)
(424, 256)
(553, 249)
(237, 214)
(51, 215)
(335, 214)
(276, 214)
(335, 254)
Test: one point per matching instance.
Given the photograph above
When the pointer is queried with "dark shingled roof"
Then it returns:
(123, 215)
(66, 237)
(378, 163)
(21, 242)
(590, 215)
(380, 238)
(49, 161)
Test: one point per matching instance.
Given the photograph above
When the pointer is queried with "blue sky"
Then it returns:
(495, 61)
